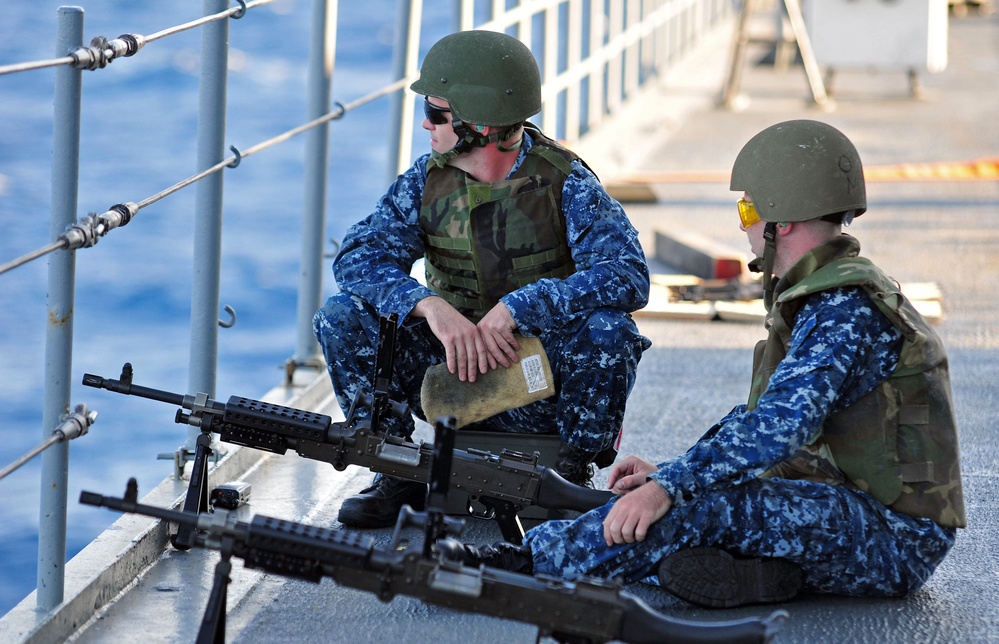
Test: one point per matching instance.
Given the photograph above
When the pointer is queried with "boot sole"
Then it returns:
(713, 578)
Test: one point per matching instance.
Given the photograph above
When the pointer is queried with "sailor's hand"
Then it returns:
(628, 474)
(463, 345)
(631, 516)
(496, 329)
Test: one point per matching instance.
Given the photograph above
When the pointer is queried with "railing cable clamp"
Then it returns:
(88, 230)
(102, 51)
(132, 43)
(75, 424)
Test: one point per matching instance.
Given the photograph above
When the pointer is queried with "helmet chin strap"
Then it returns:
(469, 139)
(769, 256)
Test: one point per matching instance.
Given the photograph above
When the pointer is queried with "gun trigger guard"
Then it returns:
(488, 512)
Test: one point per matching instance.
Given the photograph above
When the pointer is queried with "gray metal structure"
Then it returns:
(59, 337)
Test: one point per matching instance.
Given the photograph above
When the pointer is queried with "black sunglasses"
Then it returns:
(434, 114)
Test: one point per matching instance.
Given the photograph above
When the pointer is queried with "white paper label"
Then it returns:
(534, 373)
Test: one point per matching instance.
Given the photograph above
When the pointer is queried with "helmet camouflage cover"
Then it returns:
(489, 78)
(800, 170)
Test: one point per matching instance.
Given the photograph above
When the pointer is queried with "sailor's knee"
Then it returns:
(341, 316)
(613, 333)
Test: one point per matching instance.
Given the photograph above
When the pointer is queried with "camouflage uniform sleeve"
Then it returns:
(611, 270)
(841, 348)
(378, 252)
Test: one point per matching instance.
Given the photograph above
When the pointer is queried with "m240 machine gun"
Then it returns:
(502, 484)
(588, 610)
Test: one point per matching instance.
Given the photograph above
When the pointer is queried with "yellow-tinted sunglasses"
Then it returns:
(747, 213)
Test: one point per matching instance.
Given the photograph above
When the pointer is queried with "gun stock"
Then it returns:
(588, 610)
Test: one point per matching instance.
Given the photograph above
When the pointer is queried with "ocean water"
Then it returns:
(133, 294)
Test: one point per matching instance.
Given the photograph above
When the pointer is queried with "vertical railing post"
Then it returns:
(208, 204)
(525, 32)
(405, 56)
(466, 14)
(59, 331)
(615, 60)
(322, 55)
(549, 73)
(574, 35)
(631, 53)
(597, 86)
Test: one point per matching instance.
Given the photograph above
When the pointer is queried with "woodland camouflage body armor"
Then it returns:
(484, 240)
(898, 443)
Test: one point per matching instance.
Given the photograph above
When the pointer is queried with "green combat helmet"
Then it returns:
(800, 170)
(796, 171)
(489, 79)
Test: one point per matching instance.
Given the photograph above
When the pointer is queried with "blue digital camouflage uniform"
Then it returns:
(846, 542)
(583, 321)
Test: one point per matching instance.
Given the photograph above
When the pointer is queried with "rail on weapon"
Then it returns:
(500, 485)
(584, 611)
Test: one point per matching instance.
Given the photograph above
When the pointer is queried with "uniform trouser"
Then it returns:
(594, 363)
(845, 542)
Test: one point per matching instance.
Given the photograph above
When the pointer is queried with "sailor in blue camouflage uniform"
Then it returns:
(518, 235)
(841, 474)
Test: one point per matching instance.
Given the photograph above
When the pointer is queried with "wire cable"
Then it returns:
(88, 231)
(102, 51)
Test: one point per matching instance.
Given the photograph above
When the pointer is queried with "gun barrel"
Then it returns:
(120, 387)
(127, 505)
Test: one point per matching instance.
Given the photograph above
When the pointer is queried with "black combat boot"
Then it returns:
(378, 505)
(502, 555)
(575, 465)
(714, 578)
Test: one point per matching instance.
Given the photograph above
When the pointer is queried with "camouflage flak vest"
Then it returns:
(898, 443)
(484, 240)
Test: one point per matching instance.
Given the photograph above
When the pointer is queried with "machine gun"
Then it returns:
(588, 610)
(502, 484)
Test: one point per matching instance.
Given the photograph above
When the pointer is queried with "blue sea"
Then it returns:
(133, 293)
